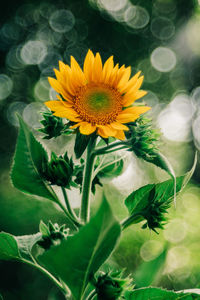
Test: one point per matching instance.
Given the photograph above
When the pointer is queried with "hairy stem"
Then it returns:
(70, 209)
(134, 218)
(87, 181)
(73, 221)
(44, 271)
(102, 150)
(91, 295)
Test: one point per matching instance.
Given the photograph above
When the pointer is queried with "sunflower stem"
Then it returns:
(87, 181)
(70, 209)
(112, 150)
(47, 273)
(70, 219)
(103, 150)
(133, 219)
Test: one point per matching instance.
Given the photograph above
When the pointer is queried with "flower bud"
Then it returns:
(143, 139)
(59, 170)
(52, 234)
(53, 126)
(109, 286)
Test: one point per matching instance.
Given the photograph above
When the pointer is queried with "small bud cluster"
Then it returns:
(52, 234)
(142, 139)
(110, 286)
(53, 126)
(59, 170)
(155, 213)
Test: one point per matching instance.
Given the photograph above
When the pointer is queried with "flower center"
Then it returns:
(98, 104)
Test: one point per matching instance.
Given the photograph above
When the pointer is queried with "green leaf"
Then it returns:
(28, 161)
(147, 271)
(155, 198)
(81, 143)
(26, 243)
(44, 229)
(78, 257)
(8, 247)
(159, 294)
(162, 162)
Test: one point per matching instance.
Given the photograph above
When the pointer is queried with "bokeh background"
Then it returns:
(161, 38)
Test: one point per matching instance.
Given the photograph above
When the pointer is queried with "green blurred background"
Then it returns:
(161, 38)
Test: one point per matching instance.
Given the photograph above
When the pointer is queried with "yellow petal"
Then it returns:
(87, 128)
(62, 66)
(88, 65)
(76, 125)
(135, 110)
(108, 130)
(136, 87)
(119, 126)
(129, 98)
(78, 77)
(67, 113)
(127, 118)
(101, 132)
(97, 68)
(113, 75)
(54, 105)
(107, 69)
(130, 83)
(67, 103)
(55, 85)
(125, 78)
(120, 135)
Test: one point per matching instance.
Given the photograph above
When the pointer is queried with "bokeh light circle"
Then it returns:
(6, 86)
(163, 59)
(140, 17)
(32, 114)
(162, 28)
(13, 109)
(62, 20)
(112, 5)
(33, 52)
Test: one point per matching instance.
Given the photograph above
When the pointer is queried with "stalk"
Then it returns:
(70, 209)
(87, 181)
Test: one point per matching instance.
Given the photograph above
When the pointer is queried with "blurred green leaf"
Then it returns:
(76, 259)
(159, 294)
(151, 201)
(8, 247)
(28, 161)
(147, 271)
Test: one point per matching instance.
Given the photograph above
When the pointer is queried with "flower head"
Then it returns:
(98, 97)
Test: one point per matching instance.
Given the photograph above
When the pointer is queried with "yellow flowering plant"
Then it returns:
(96, 105)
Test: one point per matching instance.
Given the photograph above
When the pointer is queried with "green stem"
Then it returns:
(91, 295)
(75, 223)
(134, 218)
(87, 181)
(71, 221)
(70, 210)
(44, 271)
(111, 150)
(102, 150)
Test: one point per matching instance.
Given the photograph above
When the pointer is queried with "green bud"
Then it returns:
(52, 234)
(110, 286)
(142, 138)
(53, 126)
(59, 170)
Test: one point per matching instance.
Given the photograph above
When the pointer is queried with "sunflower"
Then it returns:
(97, 98)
